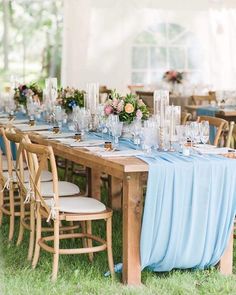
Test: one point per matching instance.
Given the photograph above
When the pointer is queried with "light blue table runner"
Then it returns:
(189, 211)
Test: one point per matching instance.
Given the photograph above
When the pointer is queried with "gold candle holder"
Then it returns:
(78, 137)
(108, 145)
(31, 122)
(56, 129)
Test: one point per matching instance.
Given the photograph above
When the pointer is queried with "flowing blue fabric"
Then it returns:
(208, 111)
(189, 211)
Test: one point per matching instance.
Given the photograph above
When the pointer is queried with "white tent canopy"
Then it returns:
(99, 42)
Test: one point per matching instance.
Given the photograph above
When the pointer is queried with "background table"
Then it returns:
(147, 97)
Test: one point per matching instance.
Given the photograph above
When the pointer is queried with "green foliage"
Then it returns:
(22, 92)
(71, 97)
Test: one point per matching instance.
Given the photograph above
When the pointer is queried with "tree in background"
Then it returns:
(31, 39)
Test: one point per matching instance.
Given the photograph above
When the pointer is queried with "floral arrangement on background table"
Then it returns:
(173, 77)
(127, 108)
(24, 91)
(70, 97)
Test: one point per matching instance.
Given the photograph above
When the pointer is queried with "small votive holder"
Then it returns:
(108, 145)
(56, 129)
(31, 122)
(78, 137)
(11, 115)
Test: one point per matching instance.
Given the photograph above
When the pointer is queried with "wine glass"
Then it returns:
(116, 130)
(136, 130)
(204, 132)
(181, 134)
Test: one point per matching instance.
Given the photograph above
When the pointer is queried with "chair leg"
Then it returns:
(89, 241)
(32, 232)
(84, 230)
(38, 237)
(109, 246)
(1, 204)
(56, 250)
(12, 214)
(22, 217)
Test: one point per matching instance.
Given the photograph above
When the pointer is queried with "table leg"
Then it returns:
(226, 261)
(114, 192)
(94, 183)
(132, 213)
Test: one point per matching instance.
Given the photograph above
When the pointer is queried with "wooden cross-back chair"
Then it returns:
(231, 138)
(57, 209)
(185, 117)
(9, 196)
(26, 200)
(221, 126)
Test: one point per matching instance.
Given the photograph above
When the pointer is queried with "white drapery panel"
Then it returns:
(99, 34)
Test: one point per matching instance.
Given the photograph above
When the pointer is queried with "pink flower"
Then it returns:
(120, 106)
(108, 110)
(115, 102)
(139, 114)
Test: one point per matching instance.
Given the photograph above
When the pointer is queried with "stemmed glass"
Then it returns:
(204, 132)
(136, 130)
(195, 132)
(110, 120)
(181, 134)
(116, 130)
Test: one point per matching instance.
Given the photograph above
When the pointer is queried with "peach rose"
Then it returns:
(129, 108)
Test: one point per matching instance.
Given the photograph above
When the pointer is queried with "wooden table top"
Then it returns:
(113, 166)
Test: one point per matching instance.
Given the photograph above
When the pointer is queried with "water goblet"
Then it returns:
(204, 132)
(116, 130)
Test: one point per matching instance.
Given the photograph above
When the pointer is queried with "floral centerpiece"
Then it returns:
(127, 108)
(24, 91)
(173, 77)
(70, 97)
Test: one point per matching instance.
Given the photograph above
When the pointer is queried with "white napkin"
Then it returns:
(67, 141)
(87, 143)
(3, 115)
(28, 128)
(213, 151)
(13, 122)
(50, 134)
(125, 153)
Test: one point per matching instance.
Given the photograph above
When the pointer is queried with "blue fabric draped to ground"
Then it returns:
(189, 211)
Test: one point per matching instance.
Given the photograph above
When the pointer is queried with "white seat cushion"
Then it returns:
(5, 165)
(79, 205)
(45, 176)
(65, 189)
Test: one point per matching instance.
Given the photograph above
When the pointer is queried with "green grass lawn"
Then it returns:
(78, 276)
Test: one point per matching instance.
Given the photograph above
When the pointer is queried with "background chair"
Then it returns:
(221, 126)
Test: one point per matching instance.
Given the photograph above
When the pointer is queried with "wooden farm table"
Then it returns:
(132, 172)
